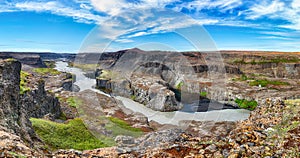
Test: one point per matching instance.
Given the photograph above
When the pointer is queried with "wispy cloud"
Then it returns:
(143, 17)
(81, 15)
(122, 40)
(264, 8)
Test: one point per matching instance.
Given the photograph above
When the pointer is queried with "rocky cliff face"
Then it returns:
(38, 103)
(16, 109)
(25, 58)
(13, 116)
(9, 94)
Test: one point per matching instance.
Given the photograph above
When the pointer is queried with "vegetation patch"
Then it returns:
(179, 85)
(46, 71)
(246, 104)
(265, 61)
(84, 67)
(72, 135)
(106, 74)
(124, 125)
(264, 83)
(293, 102)
(243, 78)
(203, 94)
(50, 64)
(74, 102)
(23, 82)
(132, 97)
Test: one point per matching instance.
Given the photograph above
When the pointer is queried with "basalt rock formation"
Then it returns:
(16, 109)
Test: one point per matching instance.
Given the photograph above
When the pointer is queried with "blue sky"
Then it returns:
(96, 25)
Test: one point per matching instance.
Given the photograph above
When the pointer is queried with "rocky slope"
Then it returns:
(271, 131)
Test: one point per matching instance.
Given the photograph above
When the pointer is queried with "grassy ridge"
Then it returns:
(73, 135)
(265, 83)
(46, 71)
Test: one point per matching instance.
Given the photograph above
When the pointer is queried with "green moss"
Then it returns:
(246, 104)
(23, 82)
(179, 85)
(62, 116)
(72, 135)
(203, 94)
(264, 83)
(10, 60)
(74, 102)
(46, 71)
(122, 124)
(132, 97)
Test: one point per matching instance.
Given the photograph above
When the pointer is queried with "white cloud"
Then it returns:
(296, 4)
(142, 33)
(265, 8)
(59, 9)
(123, 40)
(111, 7)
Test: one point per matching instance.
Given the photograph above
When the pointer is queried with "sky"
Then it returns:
(72, 26)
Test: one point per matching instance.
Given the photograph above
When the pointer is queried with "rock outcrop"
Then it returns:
(38, 103)
(16, 109)
(28, 59)
(10, 107)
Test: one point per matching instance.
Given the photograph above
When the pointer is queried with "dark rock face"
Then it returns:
(69, 86)
(15, 110)
(9, 95)
(13, 116)
(39, 103)
(25, 58)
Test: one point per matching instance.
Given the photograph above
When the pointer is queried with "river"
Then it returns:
(173, 118)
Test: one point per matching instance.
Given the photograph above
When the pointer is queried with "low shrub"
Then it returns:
(246, 104)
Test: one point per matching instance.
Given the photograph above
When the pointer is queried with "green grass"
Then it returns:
(132, 97)
(72, 135)
(106, 74)
(23, 82)
(265, 61)
(264, 83)
(246, 104)
(85, 67)
(242, 78)
(46, 71)
(74, 102)
(122, 124)
(203, 94)
(179, 85)
(50, 64)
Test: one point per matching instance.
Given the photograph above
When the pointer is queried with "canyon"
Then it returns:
(162, 82)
